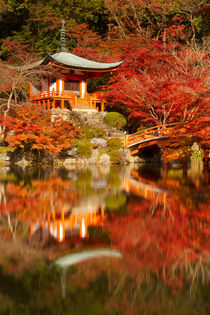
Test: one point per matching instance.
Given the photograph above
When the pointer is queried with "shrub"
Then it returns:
(84, 149)
(115, 119)
(114, 144)
(92, 132)
(115, 156)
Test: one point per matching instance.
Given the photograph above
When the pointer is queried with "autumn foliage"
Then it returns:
(32, 128)
(166, 235)
(159, 83)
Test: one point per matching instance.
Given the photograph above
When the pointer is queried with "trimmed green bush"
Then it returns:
(116, 120)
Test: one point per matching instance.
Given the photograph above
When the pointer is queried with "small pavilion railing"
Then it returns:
(50, 94)
(149, 133)
(90, 100)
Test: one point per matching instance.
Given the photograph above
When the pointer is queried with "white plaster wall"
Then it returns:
(83, 89)
(53, 86)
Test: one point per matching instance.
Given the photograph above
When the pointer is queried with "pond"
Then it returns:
(101, 240)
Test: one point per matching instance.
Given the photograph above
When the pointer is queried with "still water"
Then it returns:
(132, 240)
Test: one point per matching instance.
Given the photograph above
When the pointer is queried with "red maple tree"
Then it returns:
(159, 83)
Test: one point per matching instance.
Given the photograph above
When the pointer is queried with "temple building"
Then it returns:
(68, 88)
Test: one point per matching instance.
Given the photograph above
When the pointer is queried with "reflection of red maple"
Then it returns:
(162, 238)
(32, 201)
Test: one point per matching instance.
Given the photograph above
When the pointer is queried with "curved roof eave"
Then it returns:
(72, 61)
(27, 66)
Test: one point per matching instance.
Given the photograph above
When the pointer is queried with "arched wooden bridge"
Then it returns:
(147, 137)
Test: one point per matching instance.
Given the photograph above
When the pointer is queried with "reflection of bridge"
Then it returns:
(148, 137)
(145, 190)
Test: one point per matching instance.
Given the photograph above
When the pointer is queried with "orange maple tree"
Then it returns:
(32, 128)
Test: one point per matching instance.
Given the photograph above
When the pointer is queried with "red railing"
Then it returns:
(147, 134)
(90, 100)
(51, 94)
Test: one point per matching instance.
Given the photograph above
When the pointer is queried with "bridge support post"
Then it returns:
(184, 168)
(206, 175)
(206, 157)
(165, 170)
(125, 140)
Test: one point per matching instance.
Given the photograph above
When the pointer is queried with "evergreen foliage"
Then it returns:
(115, 119)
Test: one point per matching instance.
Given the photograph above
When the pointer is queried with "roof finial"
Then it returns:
(63, 38)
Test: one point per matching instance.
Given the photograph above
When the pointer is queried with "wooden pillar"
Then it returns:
(62, 87)
(62, 104)
(102, 106)
(53, 103)
(57, 86)
(48, 104)
(91, 101)
(30, 91)
(80, 89)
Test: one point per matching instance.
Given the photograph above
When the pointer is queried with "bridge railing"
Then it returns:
(149, 133)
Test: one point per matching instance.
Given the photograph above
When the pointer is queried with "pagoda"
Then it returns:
(67, 89)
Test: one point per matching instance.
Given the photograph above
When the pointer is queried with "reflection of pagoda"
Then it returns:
(67, 226)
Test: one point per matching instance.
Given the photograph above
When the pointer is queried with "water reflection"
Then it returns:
(158, 219)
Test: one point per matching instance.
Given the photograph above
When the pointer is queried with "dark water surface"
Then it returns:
(131, 240)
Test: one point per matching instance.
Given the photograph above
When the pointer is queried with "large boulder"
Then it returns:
(104, 159)
(68, 162)
(94, 157)
(72, 152)
(4, 158)
(99, 142)
(126, 156)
